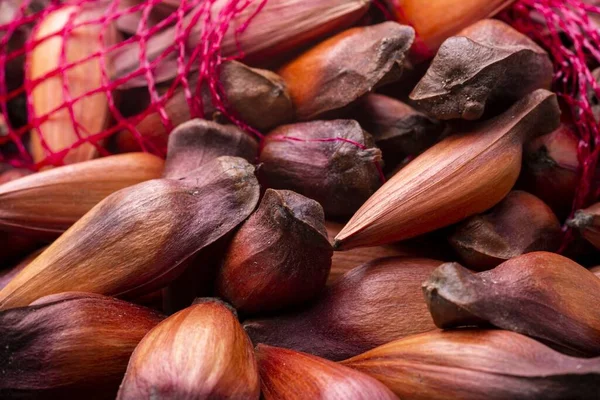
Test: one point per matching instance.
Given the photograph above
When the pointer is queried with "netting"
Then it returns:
(90, 21)
(130, 58)
(569, 30)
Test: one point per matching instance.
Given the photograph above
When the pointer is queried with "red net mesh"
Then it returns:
(567, 28)
(215, 17)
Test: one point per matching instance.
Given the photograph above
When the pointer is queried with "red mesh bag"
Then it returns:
(95, 69)
(570, 31)
(122, 61)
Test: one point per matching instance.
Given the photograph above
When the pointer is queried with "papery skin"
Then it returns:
(291, 375)
(333, 162)
(138, 239)
(485, 65)
(463, 175)
(317, 83)
(280, 257)
(540, 294)
(197, 142)
(201, 352)
(259, 97)
(91, 111)
(478, 365)
(519, 224)
(70, 345)
(371, 305)
(47, 203)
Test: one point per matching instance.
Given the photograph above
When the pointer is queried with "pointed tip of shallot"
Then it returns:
(345, 239)
(350, 237)
(337, 244)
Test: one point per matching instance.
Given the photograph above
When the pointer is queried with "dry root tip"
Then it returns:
(371, 155)
(580, 220)
(337, 244)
